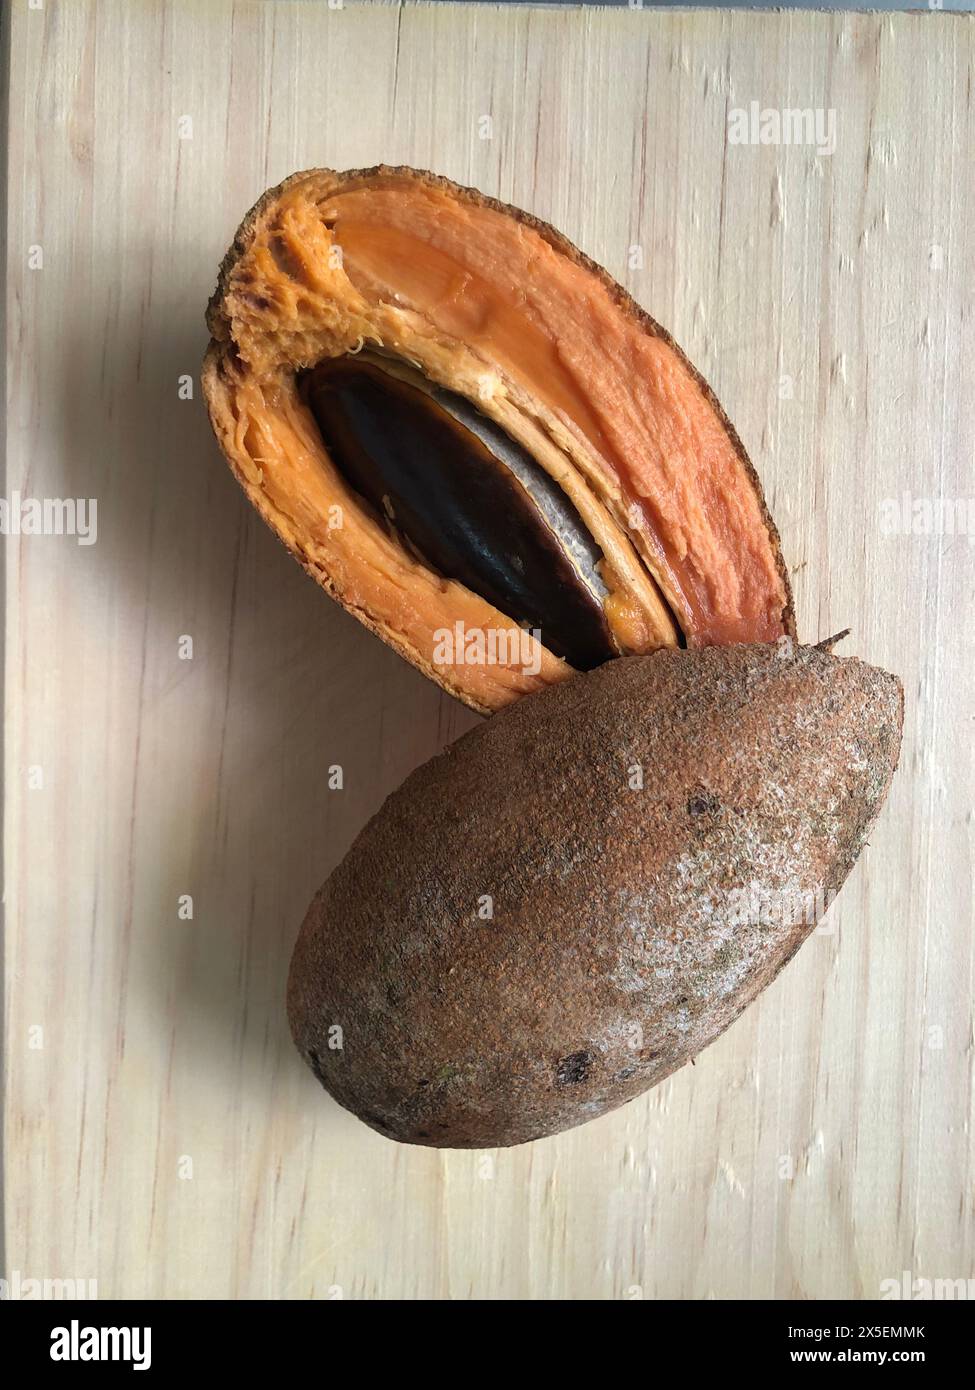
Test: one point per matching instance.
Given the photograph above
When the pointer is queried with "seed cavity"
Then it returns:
(466, 499)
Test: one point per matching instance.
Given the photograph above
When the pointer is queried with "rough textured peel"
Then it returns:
(497, 307)
(628, 927)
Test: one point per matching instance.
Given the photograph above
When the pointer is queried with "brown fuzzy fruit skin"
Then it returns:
(630, 927)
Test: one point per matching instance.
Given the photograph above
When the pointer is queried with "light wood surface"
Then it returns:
(825, 1143)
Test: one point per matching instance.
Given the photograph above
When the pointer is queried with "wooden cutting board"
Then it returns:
(161, 1136)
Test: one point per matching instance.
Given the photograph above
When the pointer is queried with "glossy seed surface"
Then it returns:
(471, 502)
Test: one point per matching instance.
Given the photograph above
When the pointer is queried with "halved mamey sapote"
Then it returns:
(585, 890)
(464, 429)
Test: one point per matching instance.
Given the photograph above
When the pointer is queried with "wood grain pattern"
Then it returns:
(825, 1143)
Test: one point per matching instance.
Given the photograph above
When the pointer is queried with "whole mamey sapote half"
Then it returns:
(585, 890)
(476, 441)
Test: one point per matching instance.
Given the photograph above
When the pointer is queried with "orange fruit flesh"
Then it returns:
(501, 310)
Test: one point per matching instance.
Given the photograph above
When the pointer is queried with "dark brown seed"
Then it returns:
(471, 503)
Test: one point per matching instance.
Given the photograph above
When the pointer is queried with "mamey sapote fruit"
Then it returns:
(585, 890)
(478, 443)
(469, 434)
